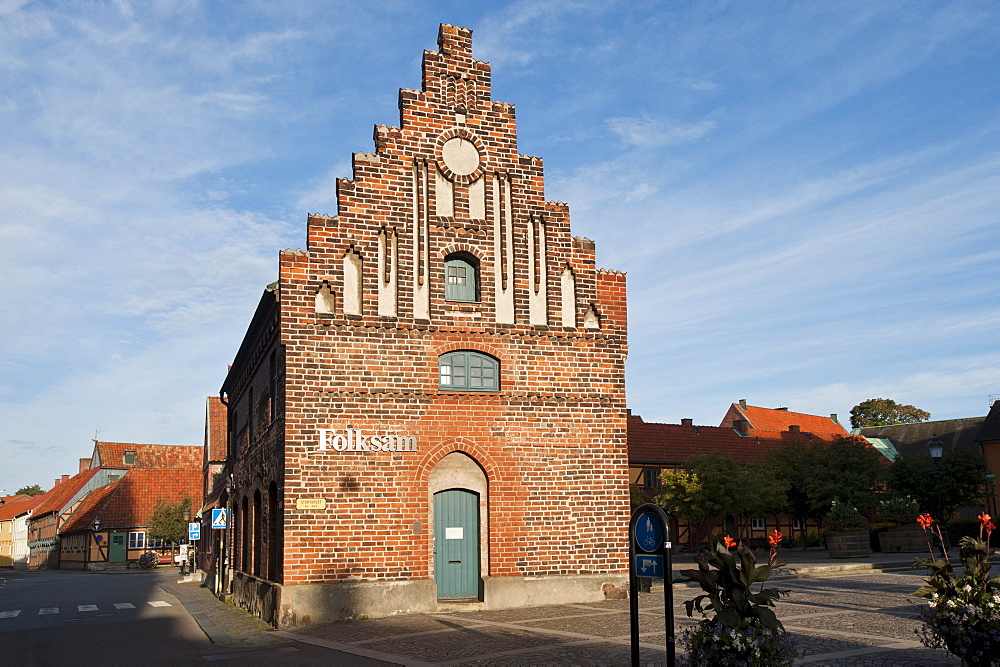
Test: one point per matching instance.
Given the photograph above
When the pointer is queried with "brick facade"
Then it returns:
(349, 340)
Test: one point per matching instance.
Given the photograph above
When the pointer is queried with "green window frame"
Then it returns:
(461, 280)
(468, 370)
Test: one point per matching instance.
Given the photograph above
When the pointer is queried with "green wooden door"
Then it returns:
(116, 548)
(456, 543)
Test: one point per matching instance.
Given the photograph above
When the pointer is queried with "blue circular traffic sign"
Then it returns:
(649, 532)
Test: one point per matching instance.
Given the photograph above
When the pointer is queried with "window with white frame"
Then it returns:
(461, 278)
(757, 523)
(137, 540)
(796, 524)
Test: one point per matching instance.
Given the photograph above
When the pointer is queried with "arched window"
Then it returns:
(468, 370)
(461, 277)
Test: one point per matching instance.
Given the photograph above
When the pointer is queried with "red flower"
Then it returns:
(989, 527)
(925, 521)
(984, 518)
(729, 542)
(775, 538)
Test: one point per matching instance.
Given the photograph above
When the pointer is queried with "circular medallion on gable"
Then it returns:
(460, 155)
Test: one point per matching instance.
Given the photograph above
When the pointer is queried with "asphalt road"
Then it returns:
(75, 618)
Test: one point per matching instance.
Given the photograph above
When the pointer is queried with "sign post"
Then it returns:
(649, 556)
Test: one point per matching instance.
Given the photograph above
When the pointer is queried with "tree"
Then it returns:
(962, 477)
(791, 466)
(32, 490)
(849, 470)
(167, 522)
(885, 411)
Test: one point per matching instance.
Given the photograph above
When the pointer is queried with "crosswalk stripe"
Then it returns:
(86, 607)
(158, 603)
(10, 614)
(48, 610)
(124, 605)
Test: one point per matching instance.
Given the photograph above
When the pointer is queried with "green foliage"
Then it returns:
(848, 470)
(959, 528)
(728, 587)
(32, 490)
(739, 625)
(885, 411)
(637, 496)
(963, 612)
(896, 510)
(167, 521)
(962, 476)
(844, 517)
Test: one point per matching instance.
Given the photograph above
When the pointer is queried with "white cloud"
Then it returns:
(648, 132)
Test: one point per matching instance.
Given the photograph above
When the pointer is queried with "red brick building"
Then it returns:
(429, 403)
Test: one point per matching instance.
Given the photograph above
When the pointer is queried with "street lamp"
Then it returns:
(936, 449)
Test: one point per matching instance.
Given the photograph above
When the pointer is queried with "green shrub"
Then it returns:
(959, 528)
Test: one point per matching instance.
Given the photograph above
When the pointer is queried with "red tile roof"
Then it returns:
(17, 505)
(216, 427)
(672, 444)
(650, 443)
(129, 501)
(55, 500)
(112, 454)
(777, 421)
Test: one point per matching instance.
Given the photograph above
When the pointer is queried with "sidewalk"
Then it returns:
(830, 630)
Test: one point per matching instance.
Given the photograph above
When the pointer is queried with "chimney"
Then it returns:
(65, 478)
(794, 428)
(687, 422)
(56, 483)
(84, 465)
(833, 417)
(743, 404)
(741, 426)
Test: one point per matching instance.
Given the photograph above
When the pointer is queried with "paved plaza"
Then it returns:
(839, 617)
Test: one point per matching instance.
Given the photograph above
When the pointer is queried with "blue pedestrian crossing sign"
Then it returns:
(649, 565)
(649, 532)
(219, 519)
(194, 531)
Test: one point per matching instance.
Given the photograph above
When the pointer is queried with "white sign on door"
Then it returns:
(454, 533)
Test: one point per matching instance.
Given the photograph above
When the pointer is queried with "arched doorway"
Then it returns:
(458, 492)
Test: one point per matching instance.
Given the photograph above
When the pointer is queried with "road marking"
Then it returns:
(48, 610)
(10, 614)
(124, 605)
(159, 603)
(86, 607)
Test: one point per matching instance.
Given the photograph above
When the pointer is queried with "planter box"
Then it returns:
(902, 539)
(849, 544)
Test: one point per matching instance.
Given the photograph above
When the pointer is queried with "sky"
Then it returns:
(805, 195)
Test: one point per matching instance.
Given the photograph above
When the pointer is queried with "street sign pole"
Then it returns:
(649, 547)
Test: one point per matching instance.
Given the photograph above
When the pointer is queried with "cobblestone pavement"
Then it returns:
(843, 619)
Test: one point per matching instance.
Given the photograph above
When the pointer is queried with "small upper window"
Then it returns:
(461, 278)
(468, 370)
(129, 457)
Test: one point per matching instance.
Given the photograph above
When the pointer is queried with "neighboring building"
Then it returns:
(14, 513)
(127, 455)
(988, 439)
(429, 403)
(110, 525)
(912, 439)
(751, 421)
(46, 519)
(211, 545)
(654, 447)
